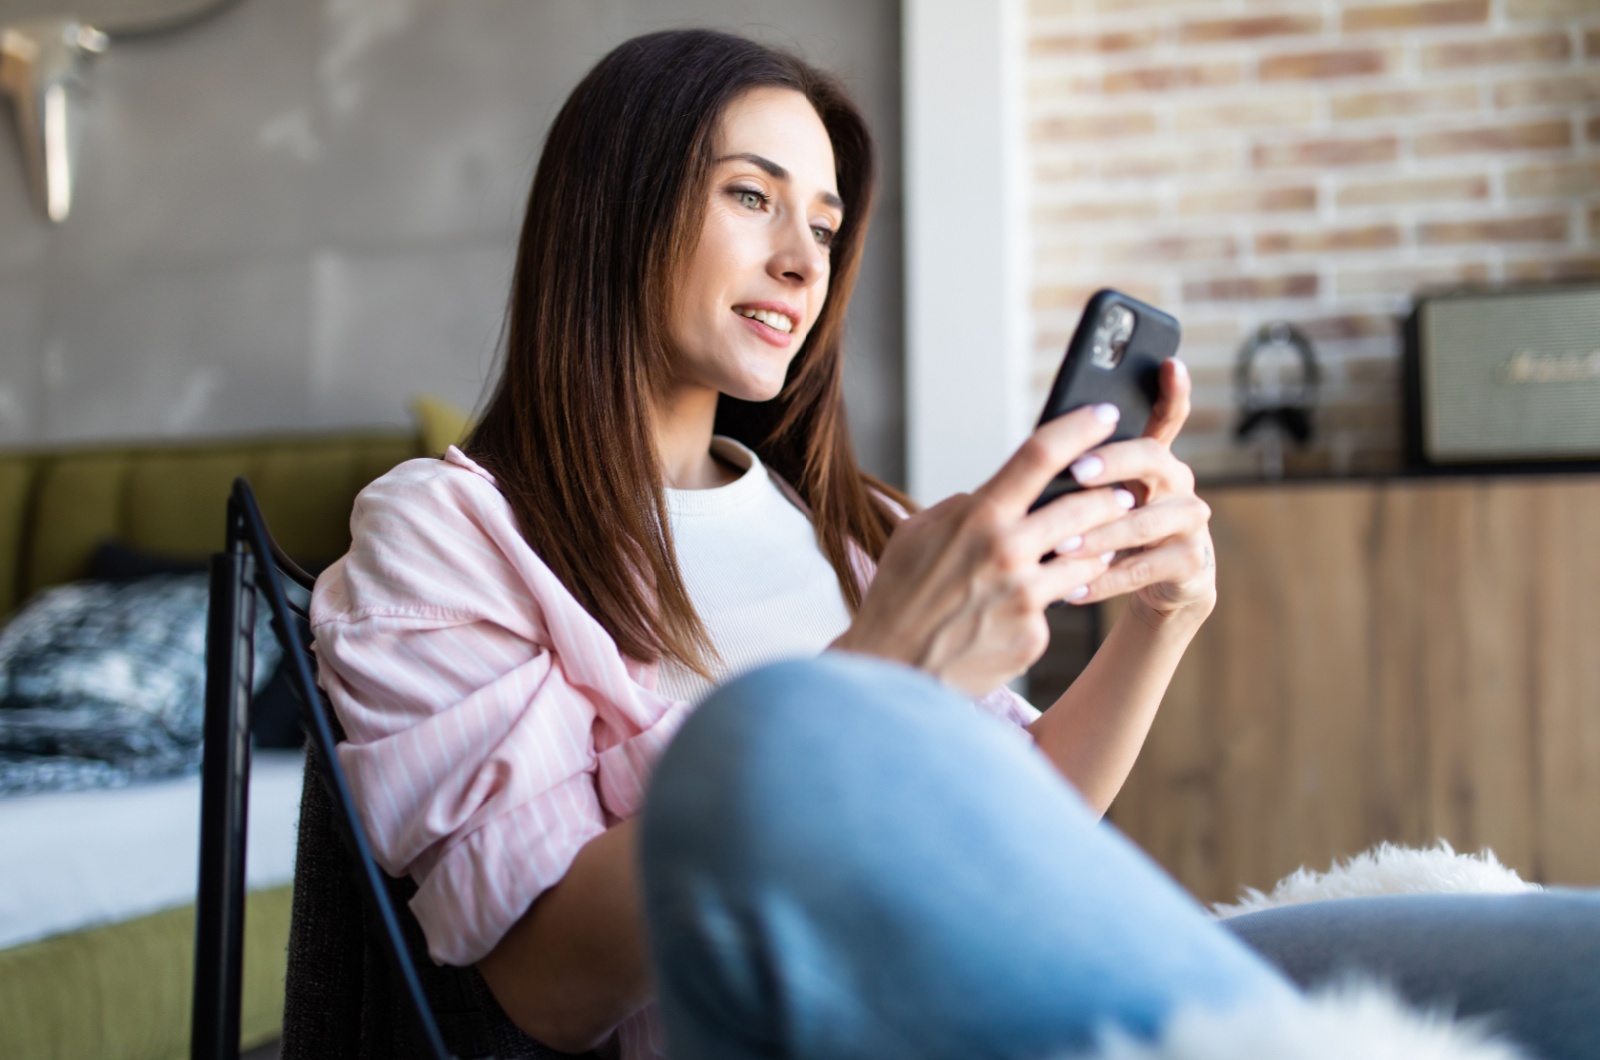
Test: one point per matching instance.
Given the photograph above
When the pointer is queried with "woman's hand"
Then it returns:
(1164, 552)
(962, 587)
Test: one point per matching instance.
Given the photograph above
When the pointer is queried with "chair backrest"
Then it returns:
(252, 565)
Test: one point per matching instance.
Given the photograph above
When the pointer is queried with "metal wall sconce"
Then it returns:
(40, 57)
(37, 59)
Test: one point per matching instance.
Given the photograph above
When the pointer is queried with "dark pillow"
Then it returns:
(275, 711)
(104, 682)
(114, 561)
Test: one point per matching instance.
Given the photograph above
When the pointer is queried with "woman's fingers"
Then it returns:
(1172, 407)
(1068, 578)
(1048, 450)
(1062, 525)
(961, 587)
(1150, 525)
(1142, 460)
(1174, 563)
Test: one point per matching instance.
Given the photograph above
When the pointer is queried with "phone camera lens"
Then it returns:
(1111, 337)
(1119, 321)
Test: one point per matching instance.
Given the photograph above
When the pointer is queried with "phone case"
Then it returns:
(1132, 383)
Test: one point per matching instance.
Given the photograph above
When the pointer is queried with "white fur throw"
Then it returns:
(1388, 869)
(1354, 1020)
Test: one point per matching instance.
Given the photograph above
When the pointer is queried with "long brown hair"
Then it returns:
(617, 205)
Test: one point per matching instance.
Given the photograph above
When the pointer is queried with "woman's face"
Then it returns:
(755, 283)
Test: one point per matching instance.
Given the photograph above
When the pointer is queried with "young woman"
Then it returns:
(662, 495)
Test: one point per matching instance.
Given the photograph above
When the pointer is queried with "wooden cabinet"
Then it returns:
(1398, 659)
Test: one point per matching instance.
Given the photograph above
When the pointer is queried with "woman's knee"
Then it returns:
(792, 721)
(787, 762)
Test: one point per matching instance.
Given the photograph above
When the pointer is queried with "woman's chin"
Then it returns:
(754, 390)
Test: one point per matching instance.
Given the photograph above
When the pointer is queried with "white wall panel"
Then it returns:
(967, 322)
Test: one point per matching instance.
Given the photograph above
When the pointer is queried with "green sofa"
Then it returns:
(57, 505)
(122, 991)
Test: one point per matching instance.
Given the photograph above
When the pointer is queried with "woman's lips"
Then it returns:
(765, 332)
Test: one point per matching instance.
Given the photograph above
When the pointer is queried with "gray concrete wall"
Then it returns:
(303, 212)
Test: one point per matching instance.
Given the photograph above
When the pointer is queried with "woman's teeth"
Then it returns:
(775, 321)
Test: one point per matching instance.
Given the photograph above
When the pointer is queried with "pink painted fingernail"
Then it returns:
(1087, 468)
(1107, 557)
(1071, 544)
(1079, 593)
(1124, 498)
(1107, 413)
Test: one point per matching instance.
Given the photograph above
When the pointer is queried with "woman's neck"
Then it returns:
(683, 425)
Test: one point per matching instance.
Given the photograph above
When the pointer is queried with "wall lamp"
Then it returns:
(42, 54)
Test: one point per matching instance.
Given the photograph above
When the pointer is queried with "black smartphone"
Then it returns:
(1115, 356)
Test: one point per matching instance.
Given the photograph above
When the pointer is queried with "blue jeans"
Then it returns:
(842, 858)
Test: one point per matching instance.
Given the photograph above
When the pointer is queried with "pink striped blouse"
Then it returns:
(493, 726)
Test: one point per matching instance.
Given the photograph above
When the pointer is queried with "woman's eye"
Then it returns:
(822, 234)
(752, 200)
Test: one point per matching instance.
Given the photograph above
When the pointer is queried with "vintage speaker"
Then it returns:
(1504, 378)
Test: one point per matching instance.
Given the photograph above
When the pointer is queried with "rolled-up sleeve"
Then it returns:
(471, 759)
(480, 761)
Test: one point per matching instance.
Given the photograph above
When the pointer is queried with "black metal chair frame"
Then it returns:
(253, 565)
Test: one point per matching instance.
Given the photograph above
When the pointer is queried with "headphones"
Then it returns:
(1291, 407)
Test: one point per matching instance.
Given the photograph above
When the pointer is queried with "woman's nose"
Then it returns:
(799, 258)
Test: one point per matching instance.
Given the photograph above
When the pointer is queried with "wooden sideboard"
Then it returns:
(1396, 659)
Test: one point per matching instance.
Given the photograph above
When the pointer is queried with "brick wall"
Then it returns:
(1315, 161)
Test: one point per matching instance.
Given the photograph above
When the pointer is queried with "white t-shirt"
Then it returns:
(754, 572)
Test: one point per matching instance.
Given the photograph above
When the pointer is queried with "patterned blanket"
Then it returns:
(103, 683)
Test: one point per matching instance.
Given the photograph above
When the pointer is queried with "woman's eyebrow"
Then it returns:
(777, 172)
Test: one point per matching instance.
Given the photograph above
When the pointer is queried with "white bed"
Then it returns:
(79, 859)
